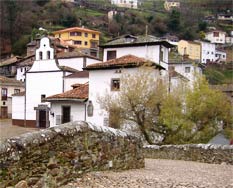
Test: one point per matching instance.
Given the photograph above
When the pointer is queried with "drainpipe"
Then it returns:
(25, 116)
(63, 82)
(85, 114)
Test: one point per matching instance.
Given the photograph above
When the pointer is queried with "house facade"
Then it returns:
(190, 48)
(83, 38)
(217, 37)
(208, 51)
(171, 4)
(8, 87)
(125, 3)
(148, 47)
(104, 77)
(69, 106)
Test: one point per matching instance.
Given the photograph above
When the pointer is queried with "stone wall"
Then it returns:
(206, 153)
(54, 156)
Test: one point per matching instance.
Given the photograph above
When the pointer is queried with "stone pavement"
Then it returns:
(8, 130)
(161, 174)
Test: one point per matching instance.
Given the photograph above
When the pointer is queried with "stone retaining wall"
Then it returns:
(206, 153)
(54, 156)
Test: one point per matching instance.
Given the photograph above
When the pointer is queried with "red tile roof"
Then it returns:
(79, 93)
(66, 55)
(10, 82)
(22, 93)
(76, 29)
(122, 62)
(80, 74)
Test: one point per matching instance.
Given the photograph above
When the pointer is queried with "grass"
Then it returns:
(217, 76)
(88, 12)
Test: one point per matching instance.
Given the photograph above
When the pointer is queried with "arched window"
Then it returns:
(40, 56)
(48, 54)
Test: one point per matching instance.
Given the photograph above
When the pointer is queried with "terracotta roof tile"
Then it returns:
(76, 29)
(65, 55)
(80, 74)
(80, 93)
(122, 62)
(10, 81)
(22, 93)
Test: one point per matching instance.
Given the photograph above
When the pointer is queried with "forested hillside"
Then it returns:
(21, 19)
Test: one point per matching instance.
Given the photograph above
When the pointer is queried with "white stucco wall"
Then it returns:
(207, 52)
(76, 63)
(77, 111)
(18, 107)
(180, 68)
(221, 39)
(100, 85)
(147, 52)
(42, 83)
(70, 81)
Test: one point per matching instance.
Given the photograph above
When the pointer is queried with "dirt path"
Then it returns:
(162, 174)
(8, 130)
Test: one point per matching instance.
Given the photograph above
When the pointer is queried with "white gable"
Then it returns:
(44, 51)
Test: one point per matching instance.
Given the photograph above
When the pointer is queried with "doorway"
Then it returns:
(42, 118)
(4, 112)
(65, 114)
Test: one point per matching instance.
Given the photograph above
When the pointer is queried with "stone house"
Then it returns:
(171, 4)
(217, 37)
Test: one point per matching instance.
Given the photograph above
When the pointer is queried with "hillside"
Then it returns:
(22, 18)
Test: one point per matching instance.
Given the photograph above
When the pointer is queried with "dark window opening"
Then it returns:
(40, 56)
(48, 54)
(115, 84)
(4, 94)
(16, 91)
(111, 55)
(75, 33)
(65, 114)
(78, 42)
(43, 97)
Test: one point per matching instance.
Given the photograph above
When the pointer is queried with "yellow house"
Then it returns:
(83, 38)
(190, 48)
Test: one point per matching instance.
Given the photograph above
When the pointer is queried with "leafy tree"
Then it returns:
(183, 115)
(174, 21)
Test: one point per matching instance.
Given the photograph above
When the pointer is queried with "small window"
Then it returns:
(216, 34)
(75, 34)
(223, 56)
(115, 84)
(111, 55)
(43, 97)
(16, 91)
(86, 43)
(21, 69)
(59, 36)
(187, 69)
(86, 34)
(4, 94)
(93, 35)
(40, 56)
(78, 42)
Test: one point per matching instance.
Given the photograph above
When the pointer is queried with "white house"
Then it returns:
(80, 77)
(75, 59)
(208, 51)
(69, 106)
(171, 4)
(148, 47)
(104, 77)
(217, 37)
(125, 3)
(220, 55)
(45, 78)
